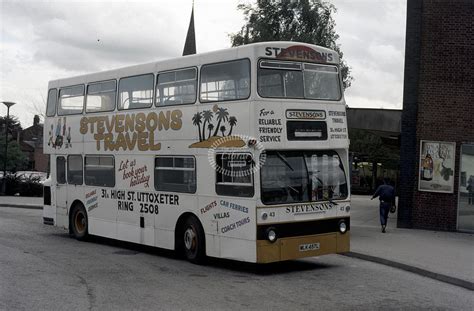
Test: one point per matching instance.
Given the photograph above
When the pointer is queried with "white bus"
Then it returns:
(239, 154)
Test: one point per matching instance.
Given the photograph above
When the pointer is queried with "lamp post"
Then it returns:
(4, 182)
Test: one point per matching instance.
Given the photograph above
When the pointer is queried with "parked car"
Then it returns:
(33, 176)
(24, 183)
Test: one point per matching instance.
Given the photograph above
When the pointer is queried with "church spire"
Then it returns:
(190, 44)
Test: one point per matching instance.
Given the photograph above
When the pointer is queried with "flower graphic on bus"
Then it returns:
(58, 137)
(210, 133)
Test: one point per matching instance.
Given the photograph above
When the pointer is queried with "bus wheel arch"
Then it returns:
(190, 240)
(78, 221)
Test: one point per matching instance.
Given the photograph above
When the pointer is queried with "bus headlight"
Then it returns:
(271, 235)
(342, 227)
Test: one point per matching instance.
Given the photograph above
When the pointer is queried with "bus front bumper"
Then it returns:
(302, 246)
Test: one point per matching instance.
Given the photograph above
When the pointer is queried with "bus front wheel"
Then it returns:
(79, 222)
(193, 241)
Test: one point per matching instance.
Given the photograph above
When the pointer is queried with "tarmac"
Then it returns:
(440, 255)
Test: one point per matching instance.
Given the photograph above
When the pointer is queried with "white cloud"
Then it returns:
(45, 40)
(372, 37)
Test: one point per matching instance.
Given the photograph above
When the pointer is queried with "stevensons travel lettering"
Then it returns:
(130, 131)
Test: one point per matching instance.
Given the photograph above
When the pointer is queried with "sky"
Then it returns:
(46, 40)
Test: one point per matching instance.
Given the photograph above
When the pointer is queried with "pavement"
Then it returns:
(440, 255)
(21, 202)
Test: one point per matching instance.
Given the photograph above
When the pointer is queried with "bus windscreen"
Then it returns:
(297, 177)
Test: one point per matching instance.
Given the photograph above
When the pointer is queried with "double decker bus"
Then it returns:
(239, 154)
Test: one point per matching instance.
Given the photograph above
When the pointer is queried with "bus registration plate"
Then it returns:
(309, 247)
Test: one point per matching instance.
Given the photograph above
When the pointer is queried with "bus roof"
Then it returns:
(284, 50)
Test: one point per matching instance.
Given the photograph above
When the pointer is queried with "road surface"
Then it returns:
(42, 268)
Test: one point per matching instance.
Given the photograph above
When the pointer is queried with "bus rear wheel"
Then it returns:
(79, 222)
(193, 241)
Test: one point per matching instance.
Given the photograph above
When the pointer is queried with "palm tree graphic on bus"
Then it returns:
(205, 120)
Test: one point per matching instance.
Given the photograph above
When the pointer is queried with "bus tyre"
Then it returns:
(79, 222)
(193, 241)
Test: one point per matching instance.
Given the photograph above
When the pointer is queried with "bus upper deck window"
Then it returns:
(280, 79)
(285, 79)
(52, 102)
(71, 100)
(101, 96)
(225, 81)
(321, 82)
(136, 92)
(176, 87)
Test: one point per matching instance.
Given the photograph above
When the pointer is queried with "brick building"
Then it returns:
(437, 132)
(31, 143)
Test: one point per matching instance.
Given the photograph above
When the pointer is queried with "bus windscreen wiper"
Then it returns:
(284, 161)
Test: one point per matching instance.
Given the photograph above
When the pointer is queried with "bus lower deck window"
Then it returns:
(177, 174)
(234, 174)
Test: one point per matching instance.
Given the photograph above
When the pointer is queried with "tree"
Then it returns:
(210, 127)
(207, 116)
(222, 115)
(14, 126)
(308, 21)
(223, 130)
(232, 123)
(371, 148)
(197, 119)
(39, 108)
(16, 159)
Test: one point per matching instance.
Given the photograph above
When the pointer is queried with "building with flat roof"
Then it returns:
(437, 128)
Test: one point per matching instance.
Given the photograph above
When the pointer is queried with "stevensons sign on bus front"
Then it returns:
(312, 208)
(306, 114)
(301, 53)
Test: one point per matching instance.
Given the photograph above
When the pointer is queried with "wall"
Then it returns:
(445, 106)
(408, 151)
(41, 160)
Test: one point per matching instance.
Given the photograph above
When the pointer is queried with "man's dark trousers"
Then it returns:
(384, 210)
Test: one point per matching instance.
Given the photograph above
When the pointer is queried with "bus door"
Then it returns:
(235, 204)
(61, 191)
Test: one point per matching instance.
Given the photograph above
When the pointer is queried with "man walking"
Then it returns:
(386, 194)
